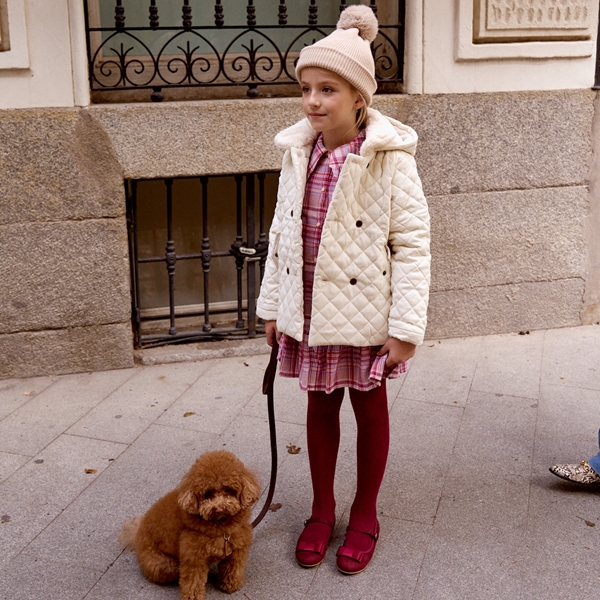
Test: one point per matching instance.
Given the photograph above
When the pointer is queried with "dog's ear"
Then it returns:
(250, 490)
(188, 501)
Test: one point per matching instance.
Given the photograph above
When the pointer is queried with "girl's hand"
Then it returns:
(399, 351)
(271, 331)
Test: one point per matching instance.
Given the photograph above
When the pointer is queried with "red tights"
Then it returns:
(373, 437)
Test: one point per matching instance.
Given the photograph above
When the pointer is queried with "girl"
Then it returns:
(346, 280)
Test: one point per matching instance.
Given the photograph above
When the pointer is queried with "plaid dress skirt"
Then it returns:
(326, 368)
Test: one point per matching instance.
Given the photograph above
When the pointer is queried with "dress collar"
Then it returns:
(336, 157)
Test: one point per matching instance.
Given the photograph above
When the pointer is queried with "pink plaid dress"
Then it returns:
(325, 368)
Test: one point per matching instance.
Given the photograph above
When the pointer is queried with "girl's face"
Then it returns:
(330, 103)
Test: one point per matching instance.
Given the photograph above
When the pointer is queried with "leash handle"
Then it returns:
(268, 386)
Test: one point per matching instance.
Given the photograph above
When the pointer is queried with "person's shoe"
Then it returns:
(313, 542)
(581, 473)
(352, 560)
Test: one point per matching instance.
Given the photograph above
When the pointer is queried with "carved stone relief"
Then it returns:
(532, 20)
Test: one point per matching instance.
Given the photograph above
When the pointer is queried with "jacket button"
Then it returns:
(353, 281)
(359, 223)
(287, 271)
(277, 256)
(291, 213)
(384, 272)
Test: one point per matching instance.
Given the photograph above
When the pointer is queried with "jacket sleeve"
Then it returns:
(268, 299)
(410, 255)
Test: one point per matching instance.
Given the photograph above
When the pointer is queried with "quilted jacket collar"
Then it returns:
(383, 133)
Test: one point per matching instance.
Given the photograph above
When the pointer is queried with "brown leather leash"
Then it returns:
(268, 386)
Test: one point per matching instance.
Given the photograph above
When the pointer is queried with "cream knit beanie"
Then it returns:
(347, 51)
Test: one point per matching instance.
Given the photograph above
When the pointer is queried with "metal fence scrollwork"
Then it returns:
(136, 44)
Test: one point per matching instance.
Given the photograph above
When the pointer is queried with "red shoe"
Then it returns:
(312, 543)
(351, 561)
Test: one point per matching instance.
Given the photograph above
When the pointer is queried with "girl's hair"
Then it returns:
(361, 114)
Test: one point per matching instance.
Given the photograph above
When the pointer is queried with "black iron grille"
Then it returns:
(214, 234)
(164, 44)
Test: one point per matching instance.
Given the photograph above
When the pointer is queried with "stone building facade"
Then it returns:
(501, 98)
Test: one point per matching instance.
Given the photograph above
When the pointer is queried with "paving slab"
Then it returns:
(16, 392)
(86, 532)
(494, 447)
(123, 579)
(562, 545)
(133, 407)
(9, 463)
(289, 402)
(563, 542)
(34, 425)
(423, 437)
(572, 357)
(468, 509)
(467, 560)
(218, 395)
(30, 579)
(293, 490)
(476, 545)
(567, 424)
(510, 364)
(442, 371)
(392, 574)
(40, 491)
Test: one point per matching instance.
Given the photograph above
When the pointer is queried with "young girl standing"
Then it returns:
(346, 280)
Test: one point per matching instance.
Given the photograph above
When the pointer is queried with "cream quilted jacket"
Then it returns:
(372, 271)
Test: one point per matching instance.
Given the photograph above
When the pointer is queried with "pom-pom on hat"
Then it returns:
(347, 51)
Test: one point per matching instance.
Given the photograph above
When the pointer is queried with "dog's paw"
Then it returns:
(230, 581)
(196, 594)
(229, 586)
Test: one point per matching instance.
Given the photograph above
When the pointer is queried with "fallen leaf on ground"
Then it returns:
(246, 364)
(89, 471)
(292, 449)
(275, 507)
(26, 393)
(6, 518)
(588, 523)
(188, 414)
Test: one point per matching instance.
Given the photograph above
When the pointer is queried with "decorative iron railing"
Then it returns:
(207, 317)
(137, 45)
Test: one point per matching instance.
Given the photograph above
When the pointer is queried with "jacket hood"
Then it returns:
(383, 133)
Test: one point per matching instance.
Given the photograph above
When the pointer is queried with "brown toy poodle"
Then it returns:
(205, 520)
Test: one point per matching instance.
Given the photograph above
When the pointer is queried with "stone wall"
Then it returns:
(507, 180)
(505, 175)
(64, 298)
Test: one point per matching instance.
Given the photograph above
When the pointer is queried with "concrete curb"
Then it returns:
(201, 351)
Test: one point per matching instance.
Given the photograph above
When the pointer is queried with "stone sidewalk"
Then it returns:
(468, 509)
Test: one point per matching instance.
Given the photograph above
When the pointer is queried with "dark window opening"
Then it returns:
(197, 249)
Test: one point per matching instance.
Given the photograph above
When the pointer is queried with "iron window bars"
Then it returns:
(202, 54)
(248, 250)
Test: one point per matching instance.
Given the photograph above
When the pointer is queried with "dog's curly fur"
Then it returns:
(205, 520)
